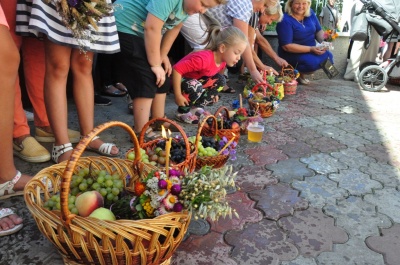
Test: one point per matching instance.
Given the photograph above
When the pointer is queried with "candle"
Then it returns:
(227, 144)
(258, 106)
(240, 101)
(222, 121)
(167, 152)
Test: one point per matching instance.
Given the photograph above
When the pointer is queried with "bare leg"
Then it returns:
(158, 106)
(141, 112)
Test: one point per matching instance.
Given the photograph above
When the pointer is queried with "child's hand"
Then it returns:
(160, 74)
(167, 65)
(181, 100)
(215, 99)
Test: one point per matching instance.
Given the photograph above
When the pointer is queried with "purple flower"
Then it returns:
(162, 184)
(174, 172)
(176, 189)
(178, 207)
(132, 204)
(74, 3)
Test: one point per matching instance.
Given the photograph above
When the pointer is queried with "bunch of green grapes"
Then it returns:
(143, 155)
(109, 186)
(207, 150)
(54, 203)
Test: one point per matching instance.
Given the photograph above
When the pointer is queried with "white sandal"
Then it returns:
(9, 187)
(58, 150)
(104, 149)
(7, 212)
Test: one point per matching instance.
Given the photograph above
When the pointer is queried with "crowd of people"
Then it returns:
(139, 36)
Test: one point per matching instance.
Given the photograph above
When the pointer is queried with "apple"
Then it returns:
(88, 201)
(235, 125)
(103, 214)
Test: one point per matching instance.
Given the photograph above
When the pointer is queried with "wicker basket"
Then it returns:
(289, 87)
(210, 130)
(189, 164)
(86, 240)
(265, 109)
(213, 161)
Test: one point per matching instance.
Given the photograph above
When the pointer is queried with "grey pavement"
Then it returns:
(321, 188)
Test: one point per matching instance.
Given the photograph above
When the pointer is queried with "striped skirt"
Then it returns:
(36, 17)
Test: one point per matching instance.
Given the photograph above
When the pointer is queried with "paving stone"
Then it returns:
(351, 140)
(260, 243)
(312, 231)
(330, 119)
(353, 158)
(381, 199)
(288, 170)
(372, 135)
(353, 251)
(377, 151)
(265, 155)
(296, 149)
(277, 138)
(198, 227)
(203, 250)
(319, 190)
(309, 122)
(300, 260)
(350, 212)
(326, 144)
(254, 178)
(355, 182)
(304, 134)
(285, 125)
(382, 172)
(278, 200)
(388, 244)
(323, 163)
(329, 130)
(351, 126)
(244, 207)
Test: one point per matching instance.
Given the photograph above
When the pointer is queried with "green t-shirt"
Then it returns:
(131, 15)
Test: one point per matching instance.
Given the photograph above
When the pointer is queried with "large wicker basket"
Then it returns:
(189, 163)
(213, 161)
(228, 133)
(265, 109)
(86, 240)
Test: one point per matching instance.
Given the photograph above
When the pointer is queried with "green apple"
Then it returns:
(103, 214)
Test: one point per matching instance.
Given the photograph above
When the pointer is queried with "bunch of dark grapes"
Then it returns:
(209, 142)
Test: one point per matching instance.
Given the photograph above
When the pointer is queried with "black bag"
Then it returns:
(329, 69)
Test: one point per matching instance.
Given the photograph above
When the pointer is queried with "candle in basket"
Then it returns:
(227, 144)
(222, 121)
(168, 144)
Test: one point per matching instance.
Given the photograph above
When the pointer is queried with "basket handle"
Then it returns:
(201, 126)
(180, 129)
(288, 71)
(220, 109)
(264, 86)
(66, 215)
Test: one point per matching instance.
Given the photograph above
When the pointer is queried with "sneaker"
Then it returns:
(101, 101)
(31, 151)
(29, 115)
(45, 137)
(187, 118)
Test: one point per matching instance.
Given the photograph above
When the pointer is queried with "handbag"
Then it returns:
(329, 69)
(359, 29)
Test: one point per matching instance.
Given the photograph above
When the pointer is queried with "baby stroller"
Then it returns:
(374, 77)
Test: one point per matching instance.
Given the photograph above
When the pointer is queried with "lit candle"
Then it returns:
(222, 121)
(258, 106)
(167, 152)
(227, 144)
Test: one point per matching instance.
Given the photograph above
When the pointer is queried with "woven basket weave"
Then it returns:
(289, 87)
(86, 240)
(213, 161)
(265, 109)
(210, 130)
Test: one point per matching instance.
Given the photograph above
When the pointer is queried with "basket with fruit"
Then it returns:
(182, 154)
(226, 125)
(263, 102)
(289, 76)
(212, 150)
(244, 116)
(87, 236)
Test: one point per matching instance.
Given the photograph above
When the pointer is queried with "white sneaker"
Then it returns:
(29, 115)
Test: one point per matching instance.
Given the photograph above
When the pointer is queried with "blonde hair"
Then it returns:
(218, 35)
(288, 8)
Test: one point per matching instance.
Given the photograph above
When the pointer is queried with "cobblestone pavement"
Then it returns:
(321, 188)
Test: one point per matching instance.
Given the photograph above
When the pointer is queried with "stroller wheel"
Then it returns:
(373, 78)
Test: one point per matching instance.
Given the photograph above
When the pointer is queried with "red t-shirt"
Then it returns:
(198, 64)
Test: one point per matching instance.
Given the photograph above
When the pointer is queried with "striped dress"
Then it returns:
(36, 17)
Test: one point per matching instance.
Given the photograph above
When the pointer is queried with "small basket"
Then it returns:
(86, 240)
(210, 130)
(288, 71)
(266, 109)
(289, 87)
(213, 161)
(189, 164)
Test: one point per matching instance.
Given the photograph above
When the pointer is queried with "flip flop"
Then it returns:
(229, 90)
(112, 91)
(9, 187)
(104, 149)
(7, 212)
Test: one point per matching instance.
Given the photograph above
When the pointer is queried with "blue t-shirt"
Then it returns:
(131, 15)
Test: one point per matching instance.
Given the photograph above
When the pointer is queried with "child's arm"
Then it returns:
(180, 100)
(152, 41)
(166, 44)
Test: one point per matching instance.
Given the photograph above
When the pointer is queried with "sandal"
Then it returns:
(9, 187)
(112, 91)
(104, 149)
(156, 126)
(200, 113)
(5, 212)
(58, 150)
(151, 135)
(121, 87)
(229, 90)
(187, 118)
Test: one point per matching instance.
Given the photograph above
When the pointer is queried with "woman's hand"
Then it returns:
(167, 65)
(318, 50)
(181, 101)
(159, 73)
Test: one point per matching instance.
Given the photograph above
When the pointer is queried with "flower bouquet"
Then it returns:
(202, 193)
(81, 15)
(329, 36)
